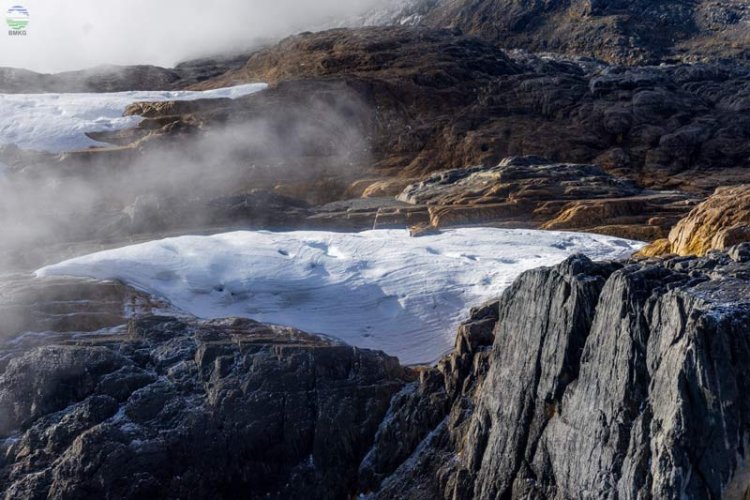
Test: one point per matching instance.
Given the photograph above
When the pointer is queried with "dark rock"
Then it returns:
(183, 408)
(620, 381)
(653, 124)
(624, 31)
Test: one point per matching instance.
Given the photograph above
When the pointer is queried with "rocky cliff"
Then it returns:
(169, 407)
(585, 380)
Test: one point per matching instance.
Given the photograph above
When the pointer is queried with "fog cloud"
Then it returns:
(83, 33)
(183, 182)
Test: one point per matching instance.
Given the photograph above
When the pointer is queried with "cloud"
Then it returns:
(75, 35)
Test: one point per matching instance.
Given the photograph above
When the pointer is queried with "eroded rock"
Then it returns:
(534, 192)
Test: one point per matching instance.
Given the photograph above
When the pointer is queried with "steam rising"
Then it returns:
(74, 35)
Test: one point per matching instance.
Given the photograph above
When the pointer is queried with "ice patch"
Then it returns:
(59, 122)
(375, 289)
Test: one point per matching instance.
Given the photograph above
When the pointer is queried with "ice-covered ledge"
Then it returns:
(377, 289)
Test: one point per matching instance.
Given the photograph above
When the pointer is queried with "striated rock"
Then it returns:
(720, 222)
(518, 178)
(389, 187)
(617, 380)
(181, 408)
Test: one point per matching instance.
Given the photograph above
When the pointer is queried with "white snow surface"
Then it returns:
(377, 289)
(58, 123)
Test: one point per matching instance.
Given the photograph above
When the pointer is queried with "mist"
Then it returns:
(53, 206)
(65, 36)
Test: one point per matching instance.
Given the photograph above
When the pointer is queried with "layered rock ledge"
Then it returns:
(532, 191)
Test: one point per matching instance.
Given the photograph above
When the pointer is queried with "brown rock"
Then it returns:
(534, 192)
(388, 187)
(720, 222)
(656, 249)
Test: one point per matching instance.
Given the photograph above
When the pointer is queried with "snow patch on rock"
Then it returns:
(57, 123)
(376, 289)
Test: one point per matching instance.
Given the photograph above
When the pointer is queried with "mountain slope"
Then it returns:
(622, 31)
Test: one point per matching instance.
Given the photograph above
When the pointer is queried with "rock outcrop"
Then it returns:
(720, 222)
(168, 407)
(532, 191)
(670, 126)
(389, 105)
(586, 379)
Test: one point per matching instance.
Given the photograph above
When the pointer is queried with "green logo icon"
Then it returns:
(17, 18)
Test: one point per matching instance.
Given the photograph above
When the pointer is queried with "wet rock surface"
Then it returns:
(617, 380)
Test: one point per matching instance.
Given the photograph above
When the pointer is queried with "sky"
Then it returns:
(67, 35)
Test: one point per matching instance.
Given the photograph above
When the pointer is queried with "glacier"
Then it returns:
(57, 123)
(379, 289)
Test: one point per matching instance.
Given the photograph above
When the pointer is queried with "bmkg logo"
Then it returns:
(17, 19)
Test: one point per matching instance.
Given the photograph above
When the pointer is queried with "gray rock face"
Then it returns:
(187, 409)
(603, 381)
